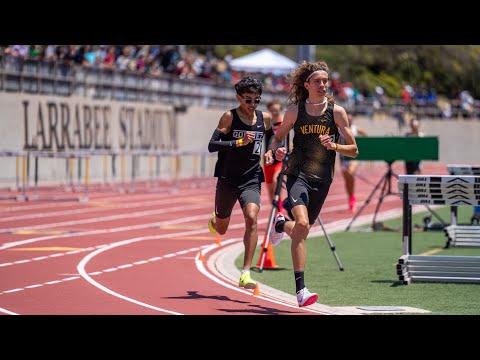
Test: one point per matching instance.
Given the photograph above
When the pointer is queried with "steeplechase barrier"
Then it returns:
(434, 190)
(462, 235)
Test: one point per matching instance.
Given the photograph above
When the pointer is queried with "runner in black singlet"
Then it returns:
(317, 122)
(238, 140)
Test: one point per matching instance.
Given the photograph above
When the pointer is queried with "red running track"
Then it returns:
(134, 253)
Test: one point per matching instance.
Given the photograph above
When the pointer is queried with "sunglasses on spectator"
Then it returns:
(249, 101)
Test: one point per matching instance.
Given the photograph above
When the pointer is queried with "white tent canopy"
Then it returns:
(264, 61)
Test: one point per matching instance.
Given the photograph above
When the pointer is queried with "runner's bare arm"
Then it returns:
(362, 132)
(277, 141)
(267, 121)
(350, 148)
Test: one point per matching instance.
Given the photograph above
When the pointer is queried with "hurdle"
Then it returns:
(70, 157)
(435, 268)
(21, 174)
(458, 235)
(148, 170)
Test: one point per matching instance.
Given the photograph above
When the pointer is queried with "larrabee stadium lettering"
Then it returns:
(73, 125)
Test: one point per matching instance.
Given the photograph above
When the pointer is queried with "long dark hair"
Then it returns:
(297, 78)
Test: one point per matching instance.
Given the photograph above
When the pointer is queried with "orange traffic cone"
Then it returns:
(256, 291)
(269, 262)
(201, 257)
(218, 241)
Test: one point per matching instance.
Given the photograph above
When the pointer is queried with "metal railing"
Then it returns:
(56, 78)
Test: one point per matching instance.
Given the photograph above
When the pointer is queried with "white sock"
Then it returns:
(245, 271)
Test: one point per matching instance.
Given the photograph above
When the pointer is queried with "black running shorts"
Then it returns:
(227, 195)
(312, 194)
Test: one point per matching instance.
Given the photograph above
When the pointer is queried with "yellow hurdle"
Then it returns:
(17, 172)
(72, 163)
(24, 171)
(122, 167)
(105, 164)
(177, 166)
(150, 166)
(195, 165)
(87, 170)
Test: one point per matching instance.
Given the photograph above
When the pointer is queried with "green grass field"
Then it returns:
(370, 277)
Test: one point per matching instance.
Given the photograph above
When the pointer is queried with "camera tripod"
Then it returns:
(273, 214)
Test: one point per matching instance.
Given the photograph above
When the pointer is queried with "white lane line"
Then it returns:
(169, 255)
(210, 247)
(96, 219)
(33, 286)
(81, 270)
(125, 266)
(140, 262)
(122, 228)
(201, 267)
(75, 251)
(13, 290)
(182, 252)
(53, 282)
(129, 228)
(155, 258)
(45, 257)
(21, 261)
(94, 209)
(81, 265)
(114, 199)
(112, 230)
(7, 311)
(104, 245)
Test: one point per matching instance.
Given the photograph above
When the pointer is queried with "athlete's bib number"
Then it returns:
(257, 148)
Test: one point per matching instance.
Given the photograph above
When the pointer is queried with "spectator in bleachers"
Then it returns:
(109, 60)
(170, 59)
(466, 102)
(432, 97)
(445, 108)
(140, 64)
(123, 60)
(154, 60)
(406, 95)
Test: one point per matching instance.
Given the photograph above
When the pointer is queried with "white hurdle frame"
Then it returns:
(435, 268)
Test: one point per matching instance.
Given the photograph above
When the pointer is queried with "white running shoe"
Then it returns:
(305, 297)
(276, 237)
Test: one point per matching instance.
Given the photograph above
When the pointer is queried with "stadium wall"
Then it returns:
(55, 123)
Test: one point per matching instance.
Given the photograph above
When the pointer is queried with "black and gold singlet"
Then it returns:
(310, 159)
(242, 164)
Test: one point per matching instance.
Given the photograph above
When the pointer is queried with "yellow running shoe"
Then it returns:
(211, 224)
(246, 281)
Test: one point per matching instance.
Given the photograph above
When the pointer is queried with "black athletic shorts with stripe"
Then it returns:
(228, 194)
(312, 194)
